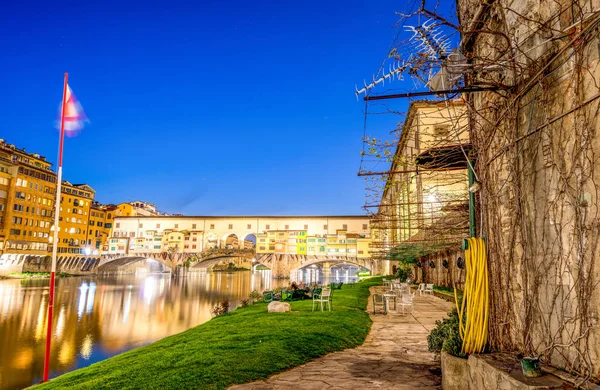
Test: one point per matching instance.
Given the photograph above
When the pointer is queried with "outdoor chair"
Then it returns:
(421, 288)
(324, 299)
(378, 300)
(429, 289)
(408, 302)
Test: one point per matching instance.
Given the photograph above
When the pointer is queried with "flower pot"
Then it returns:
(531, 367)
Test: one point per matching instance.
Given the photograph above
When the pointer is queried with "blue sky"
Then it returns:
(224, 108)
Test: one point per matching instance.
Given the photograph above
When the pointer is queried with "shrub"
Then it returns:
(255, 296)
(404, 271)
(244, 302)
(446, 336)
(220, 309)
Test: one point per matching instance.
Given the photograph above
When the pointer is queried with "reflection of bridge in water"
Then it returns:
(281, 265)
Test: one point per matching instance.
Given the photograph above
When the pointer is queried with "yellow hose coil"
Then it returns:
(475, 304)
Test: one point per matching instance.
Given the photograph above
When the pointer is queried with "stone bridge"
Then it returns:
(71, 264)
(281, 265)
(118, 264)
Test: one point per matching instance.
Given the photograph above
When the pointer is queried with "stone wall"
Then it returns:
(537, 161)
(496, 371)
(440, 275)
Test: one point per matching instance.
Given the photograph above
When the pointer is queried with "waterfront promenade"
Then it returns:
(393, 356)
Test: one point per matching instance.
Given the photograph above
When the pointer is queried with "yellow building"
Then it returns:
(298, 242)
(27, 192)
(136, 208)
(425, 199)
(100, 222)
(73, 233)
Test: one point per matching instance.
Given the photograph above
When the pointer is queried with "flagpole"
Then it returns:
(55, 239)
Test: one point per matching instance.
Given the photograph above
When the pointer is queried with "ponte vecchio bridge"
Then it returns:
(284, 244)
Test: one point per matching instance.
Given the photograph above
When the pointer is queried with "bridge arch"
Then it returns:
(132, 264)
(249, 237)
(230, 241)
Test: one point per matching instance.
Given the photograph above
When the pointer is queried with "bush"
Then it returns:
(446, 336)
(220, 309)
(404, 272)
(244, 302)
(255, 296)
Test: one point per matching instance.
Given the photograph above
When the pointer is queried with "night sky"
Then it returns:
(224, 108)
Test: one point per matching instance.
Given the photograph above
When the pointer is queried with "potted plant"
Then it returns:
(531, 366)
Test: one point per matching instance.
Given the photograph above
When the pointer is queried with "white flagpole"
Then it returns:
(55, 238)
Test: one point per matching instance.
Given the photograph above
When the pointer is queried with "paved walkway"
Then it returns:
(394, 356)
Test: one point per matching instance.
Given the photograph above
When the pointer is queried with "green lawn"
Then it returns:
(242, 346)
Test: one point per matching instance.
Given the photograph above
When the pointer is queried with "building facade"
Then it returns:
(75, 205)
(537, 144)
(425, 199)
(100, 223)
(271, 234)
(140, 208)
(27, 192)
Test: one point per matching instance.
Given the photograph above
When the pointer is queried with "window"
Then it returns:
(131, 234)
(176, 226)
(345, 227)
(360, 252)
(193, 226)
(271, 247)
(195, 239)
(365, 226)
(187, 238)
(91, 222)
(268, 227)
(118, 225)
(249, 227)
(193, 246)
(262, 248)
(18, 207)
(2, 194)
(324, 227)
(230, 226)
(212, 226)
(305, 227)
(157, 225)
(20, 195)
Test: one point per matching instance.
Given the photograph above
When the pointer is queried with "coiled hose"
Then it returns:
(473, 314)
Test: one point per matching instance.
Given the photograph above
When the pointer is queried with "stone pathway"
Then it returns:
(393, 356)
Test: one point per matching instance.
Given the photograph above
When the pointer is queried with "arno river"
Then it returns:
(98, 317)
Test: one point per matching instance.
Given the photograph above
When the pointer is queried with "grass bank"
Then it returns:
(242, 346)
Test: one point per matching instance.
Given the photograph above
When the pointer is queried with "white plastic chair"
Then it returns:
(378, 300)
(408, 301)
(324, 299)
(421, 288)
(429, 289)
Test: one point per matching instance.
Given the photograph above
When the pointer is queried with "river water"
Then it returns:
(98, 317)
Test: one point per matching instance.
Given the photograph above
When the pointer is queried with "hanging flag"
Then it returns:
(74, 115)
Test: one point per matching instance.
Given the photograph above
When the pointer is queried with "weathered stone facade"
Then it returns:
(445, 271)
(537, 152)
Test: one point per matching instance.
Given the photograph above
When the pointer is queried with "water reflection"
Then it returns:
(96, 318)
(316, 275)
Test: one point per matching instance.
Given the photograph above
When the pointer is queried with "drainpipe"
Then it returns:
(472, 231)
